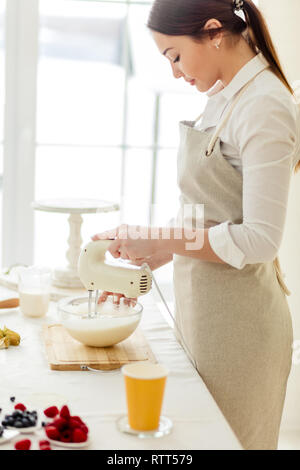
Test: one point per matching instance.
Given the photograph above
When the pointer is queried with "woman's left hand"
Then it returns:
(131, 242)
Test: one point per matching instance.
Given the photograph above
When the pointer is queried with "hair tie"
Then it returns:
(238, 5)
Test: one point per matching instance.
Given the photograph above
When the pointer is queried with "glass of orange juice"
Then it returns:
(145, 385)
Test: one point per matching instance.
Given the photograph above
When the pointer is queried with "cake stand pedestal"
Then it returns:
(67, 277)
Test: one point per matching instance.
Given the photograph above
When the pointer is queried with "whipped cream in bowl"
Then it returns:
(108, 325)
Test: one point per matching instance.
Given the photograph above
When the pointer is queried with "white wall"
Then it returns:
(283, 20)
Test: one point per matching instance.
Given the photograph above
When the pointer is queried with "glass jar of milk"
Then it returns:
(34, 290)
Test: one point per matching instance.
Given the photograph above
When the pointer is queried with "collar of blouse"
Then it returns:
(218, 96)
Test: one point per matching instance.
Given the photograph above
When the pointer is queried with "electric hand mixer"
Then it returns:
(98, 273)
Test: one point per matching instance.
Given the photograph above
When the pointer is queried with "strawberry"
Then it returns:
(64, 412)
(45, 448)
(79, 436)
(20, 407)
(60, 423)
(52, 433)
(51, 412)
(25, 444)
(66, 436)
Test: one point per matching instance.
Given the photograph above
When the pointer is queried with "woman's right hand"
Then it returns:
(155, 262)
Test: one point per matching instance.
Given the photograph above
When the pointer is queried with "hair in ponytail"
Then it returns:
(188, 17)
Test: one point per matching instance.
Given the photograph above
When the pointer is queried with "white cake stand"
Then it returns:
(68, 277)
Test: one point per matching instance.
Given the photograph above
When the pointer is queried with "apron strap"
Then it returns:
(223, 123)
(280, 277)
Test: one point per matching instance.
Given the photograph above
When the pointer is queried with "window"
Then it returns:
(107, 124)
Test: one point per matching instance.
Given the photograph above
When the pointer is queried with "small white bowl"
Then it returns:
(70, 445)
(8, 435)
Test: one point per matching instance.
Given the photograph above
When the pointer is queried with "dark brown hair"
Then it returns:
(188, 18)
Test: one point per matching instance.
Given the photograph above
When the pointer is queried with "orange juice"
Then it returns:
(145, 385)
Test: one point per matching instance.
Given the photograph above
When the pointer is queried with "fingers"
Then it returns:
(107, 235)
(114, 248)
(131, 302)
(103, 296)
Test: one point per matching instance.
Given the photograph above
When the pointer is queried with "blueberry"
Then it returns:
(10, 421)
(18, 424)
(17, 414)
(0, 410)
(26, 423)
(12, 399)
(5, 423)
(1, 431)
(32, 421)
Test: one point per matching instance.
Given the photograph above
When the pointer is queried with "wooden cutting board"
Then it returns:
(65, 353)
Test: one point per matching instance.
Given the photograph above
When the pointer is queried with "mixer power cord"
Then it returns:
(176, 327)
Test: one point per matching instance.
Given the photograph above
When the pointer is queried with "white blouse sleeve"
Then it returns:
(266, 134)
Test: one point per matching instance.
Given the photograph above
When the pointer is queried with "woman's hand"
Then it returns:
(154, 262)
(131, 242)
(116, 298)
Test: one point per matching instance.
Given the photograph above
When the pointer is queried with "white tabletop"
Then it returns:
(75, 206)
(100, 399)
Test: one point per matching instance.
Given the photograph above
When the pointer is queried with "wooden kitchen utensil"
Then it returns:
(65, 353)
(9, 303)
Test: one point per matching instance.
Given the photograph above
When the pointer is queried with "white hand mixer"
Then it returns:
(98, 273)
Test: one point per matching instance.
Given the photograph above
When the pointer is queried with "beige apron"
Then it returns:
(236, 323)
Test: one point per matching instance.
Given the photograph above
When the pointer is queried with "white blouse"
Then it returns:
(261, 140)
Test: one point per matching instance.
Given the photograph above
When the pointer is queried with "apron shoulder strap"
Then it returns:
(223, 123)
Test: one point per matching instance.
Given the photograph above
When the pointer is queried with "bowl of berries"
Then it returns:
(65, 430)
(22, 420)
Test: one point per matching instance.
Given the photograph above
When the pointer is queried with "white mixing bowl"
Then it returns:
(111, 325)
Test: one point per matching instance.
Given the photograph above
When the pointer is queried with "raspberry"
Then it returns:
(76, 418)
(79, 436)
(64, 412)
(73, 423)
(52, 433)
(60, 423)
(45, 448)
(44, 443)
(66, 436)
(51, 412)
(20, 407)
(84, 428)
(25, 444)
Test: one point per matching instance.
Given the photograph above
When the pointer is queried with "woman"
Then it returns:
(238, 161)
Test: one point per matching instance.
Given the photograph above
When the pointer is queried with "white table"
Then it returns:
(100, 399)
